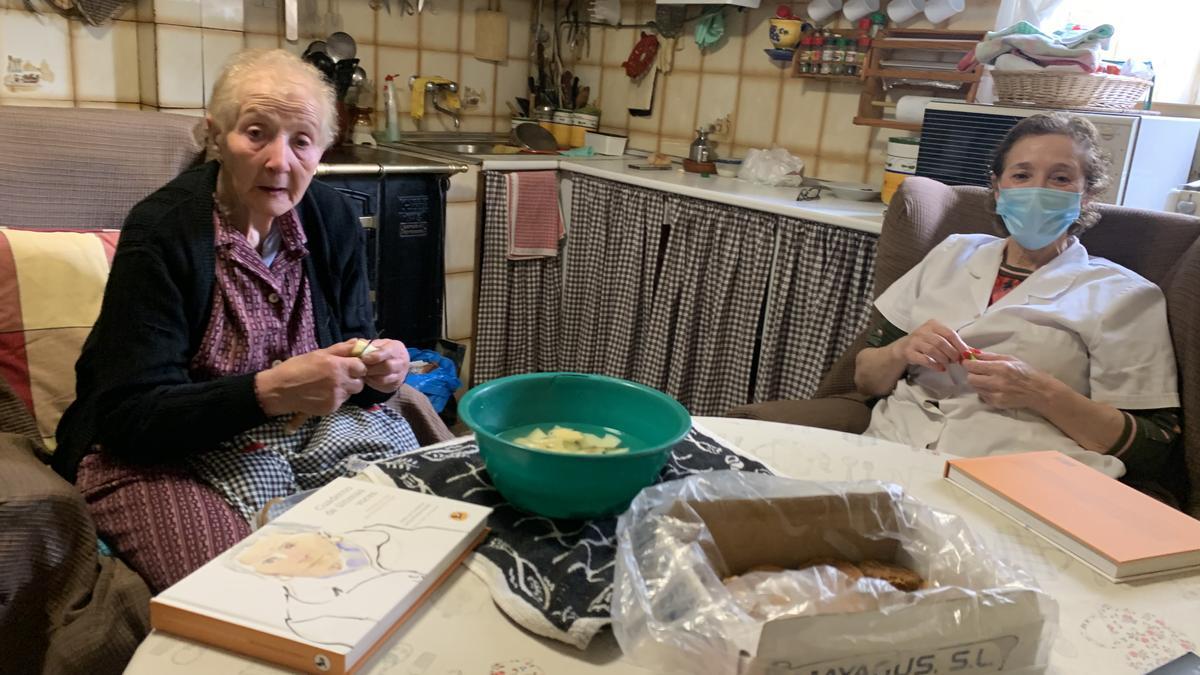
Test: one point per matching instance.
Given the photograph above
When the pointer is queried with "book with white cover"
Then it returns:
(321, 586)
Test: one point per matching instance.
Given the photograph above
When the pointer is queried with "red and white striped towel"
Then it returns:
(534, 222)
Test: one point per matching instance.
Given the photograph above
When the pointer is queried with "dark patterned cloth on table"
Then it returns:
(553, 577)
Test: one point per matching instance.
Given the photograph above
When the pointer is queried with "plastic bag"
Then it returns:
(687, 598)
(438, 382)
(772, 167)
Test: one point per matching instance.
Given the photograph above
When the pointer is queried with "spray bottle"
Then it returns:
(391, 111)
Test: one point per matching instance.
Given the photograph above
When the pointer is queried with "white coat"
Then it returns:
(1094, 325)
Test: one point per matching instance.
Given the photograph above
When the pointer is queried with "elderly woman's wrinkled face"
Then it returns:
(1047, 161)
(270, 155)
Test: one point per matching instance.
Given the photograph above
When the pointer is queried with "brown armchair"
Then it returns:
(1163, 247)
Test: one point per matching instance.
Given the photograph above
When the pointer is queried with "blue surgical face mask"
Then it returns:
(1035, 217)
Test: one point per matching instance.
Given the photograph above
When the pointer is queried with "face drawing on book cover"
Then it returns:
(335, 585)
(302, 554)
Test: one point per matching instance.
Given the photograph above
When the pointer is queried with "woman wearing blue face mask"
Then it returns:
(1024, 342)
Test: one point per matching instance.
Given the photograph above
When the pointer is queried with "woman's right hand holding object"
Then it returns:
(316, 383)
(932, 345)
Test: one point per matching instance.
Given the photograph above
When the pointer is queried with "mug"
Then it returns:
(785, 33)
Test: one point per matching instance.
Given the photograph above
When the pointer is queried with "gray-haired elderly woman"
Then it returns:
(235, 298)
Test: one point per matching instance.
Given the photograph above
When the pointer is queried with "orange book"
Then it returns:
(1120, 532)
(319, 588)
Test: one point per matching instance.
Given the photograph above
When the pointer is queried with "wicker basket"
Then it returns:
(1069, 90)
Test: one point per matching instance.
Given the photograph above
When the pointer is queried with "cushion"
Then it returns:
(51, 286)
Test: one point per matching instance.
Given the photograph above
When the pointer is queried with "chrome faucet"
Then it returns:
(432, 89)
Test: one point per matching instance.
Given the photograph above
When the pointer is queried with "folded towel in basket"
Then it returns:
(534, 222)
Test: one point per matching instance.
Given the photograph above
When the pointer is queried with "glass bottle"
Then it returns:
(827, 56)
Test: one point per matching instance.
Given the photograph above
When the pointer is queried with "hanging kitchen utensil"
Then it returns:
(340, 46)
(315, 46)
(642, 57)
(668, 19)
(491, 33)
(291, 20)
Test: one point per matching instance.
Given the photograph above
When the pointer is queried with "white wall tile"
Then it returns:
(726, 55)
(613, 98)
(144, 10)
(642, 140)
(263, 16)
(106, 61)
(480, 76)
(803, 111)
(475, 123)
(219, 46)
(460, 315)
(222, 14)
(679, 104)
(617, 45)
(42, 43)
(512, 81)
(519, 14)
(687, 54)
(178, 12)
(147, 63)
(358, 19)
(439, 25)
(262, 41)
(187, 112)
(180, 66)
(444, 64)
(717, 97)
(755, 61)
(397, 29)
(755, 123)
(460, 237)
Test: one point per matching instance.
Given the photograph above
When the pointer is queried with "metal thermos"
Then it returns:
(700, 150)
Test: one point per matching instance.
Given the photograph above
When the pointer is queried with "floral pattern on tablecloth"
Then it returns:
(1144, 640)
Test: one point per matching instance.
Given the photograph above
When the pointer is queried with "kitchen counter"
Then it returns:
(351, 160)
(856, 215)
(864, 216)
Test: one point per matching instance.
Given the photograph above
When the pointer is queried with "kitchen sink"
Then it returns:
(460, 148)
(452, 143)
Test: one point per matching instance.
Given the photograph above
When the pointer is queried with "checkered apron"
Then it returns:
(266, 462)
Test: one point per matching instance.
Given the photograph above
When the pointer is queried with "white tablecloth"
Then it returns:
(1103, 627)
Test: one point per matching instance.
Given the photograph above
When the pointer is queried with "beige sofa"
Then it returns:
(64, 607)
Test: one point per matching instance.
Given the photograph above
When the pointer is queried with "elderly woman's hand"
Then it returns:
(1007, 382)
(931, 345)
(316, 383)
(387, 365)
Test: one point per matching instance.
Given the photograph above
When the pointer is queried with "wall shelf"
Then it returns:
(938, 43)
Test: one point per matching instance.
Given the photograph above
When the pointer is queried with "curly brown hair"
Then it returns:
(1086, 138)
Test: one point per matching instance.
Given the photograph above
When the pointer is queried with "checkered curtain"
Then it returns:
(700, 340)
(611, 260)
(519, 315)
(819, 301)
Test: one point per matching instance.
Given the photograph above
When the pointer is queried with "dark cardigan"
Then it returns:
(134, 392)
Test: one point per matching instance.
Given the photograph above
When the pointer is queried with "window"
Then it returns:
(1159, 31)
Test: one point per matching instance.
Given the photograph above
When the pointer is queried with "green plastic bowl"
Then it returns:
(561, 485)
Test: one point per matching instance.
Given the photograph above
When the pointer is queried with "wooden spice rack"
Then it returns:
(852, 35)
(872, 102)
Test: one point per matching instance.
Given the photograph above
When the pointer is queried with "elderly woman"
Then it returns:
(995, 345)
(221, 372)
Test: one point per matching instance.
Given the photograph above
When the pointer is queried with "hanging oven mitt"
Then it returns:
(642, 57)
(710, 29)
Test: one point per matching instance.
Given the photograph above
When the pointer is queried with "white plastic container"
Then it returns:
(390, 108)
(605, 144)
